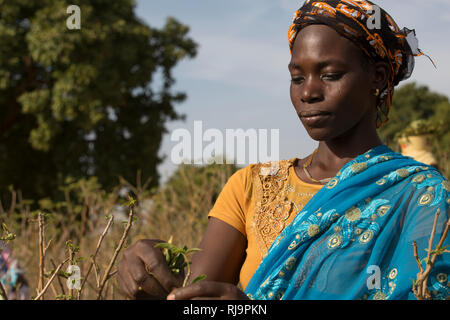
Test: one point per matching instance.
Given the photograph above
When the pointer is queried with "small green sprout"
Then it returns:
(177, 260)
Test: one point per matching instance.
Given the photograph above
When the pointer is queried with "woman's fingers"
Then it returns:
(126, 281)
(155, 263)
(143, 272)
(145, 283)
(199, 289)
(205, 289)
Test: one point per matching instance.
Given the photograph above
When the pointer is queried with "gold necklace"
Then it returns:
(307, 163)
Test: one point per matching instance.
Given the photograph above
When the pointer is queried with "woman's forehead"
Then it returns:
(321, 42)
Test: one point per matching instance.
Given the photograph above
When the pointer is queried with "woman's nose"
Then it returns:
(312, 90)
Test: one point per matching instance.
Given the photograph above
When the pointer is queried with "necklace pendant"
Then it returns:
(307, 163)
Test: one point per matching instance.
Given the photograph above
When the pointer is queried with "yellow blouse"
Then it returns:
(260, 204)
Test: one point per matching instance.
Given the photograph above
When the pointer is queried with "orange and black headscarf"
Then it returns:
(373, 30)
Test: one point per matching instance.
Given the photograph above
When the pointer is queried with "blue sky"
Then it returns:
(239, 78)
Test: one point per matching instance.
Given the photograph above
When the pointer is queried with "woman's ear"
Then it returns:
(381, 74)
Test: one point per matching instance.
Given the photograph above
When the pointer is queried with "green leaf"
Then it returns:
(165, 245)
(130, 203)
(440, 250)
(193, 250)
(168, 256)
(180, 262)
(179, 251)
(199, 278)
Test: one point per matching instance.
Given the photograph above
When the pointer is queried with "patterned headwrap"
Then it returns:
(373, 30)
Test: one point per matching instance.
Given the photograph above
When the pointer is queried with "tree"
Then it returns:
(78, 103)
(414, 102)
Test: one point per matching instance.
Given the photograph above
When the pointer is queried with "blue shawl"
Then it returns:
(353, 239)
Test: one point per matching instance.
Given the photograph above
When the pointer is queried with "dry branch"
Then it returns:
(55, 273)
(99, 243)
(41, 253)
(106, 275)
(59, 280)
(420, 289)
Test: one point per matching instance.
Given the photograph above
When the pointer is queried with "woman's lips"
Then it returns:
(313, 113)
(314, 118)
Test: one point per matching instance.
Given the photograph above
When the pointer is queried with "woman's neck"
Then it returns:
(333, 154)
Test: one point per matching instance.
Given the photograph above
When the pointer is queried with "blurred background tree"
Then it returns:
(417, 102)
(87, 102)
(180, 207)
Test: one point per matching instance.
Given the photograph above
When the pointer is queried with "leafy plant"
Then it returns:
(7, 235)
(177, 260)
(412, 102)
(421, 127)
(87, 217)
(419, 286)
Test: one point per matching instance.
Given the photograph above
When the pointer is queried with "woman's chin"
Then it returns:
(319, 134)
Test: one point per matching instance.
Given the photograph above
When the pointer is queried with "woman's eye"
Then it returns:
(297, 80)
(332, 76)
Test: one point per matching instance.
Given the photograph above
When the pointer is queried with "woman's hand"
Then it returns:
(208, 290)
(143, 272)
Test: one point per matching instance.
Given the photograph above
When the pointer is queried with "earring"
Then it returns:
(377, 92)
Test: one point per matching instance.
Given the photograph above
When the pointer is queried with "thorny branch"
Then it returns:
(99, 243)
(55, 273)
(107, 275)
(420, 289)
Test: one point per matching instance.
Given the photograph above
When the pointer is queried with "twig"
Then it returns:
(97, 276)
(59, 280)
(420, 289)
(433, 232)
(13, 202)
(188, 274)
(112, 274)
(50, 280)
(416, 255)
(41, 251)
(99, 243)
(53, 289)
(116, 252)
(71, 257)
(441, 241)
(48, 245)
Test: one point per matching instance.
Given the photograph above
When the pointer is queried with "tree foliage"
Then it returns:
(87, 102)
(414, 102)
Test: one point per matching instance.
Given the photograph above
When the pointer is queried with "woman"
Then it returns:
(315, 228)
(11, 276)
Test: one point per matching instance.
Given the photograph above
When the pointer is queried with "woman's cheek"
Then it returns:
(343, 93)
(294, 93)
(339, 90)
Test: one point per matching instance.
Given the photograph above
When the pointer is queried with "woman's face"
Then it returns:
(331, 89)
